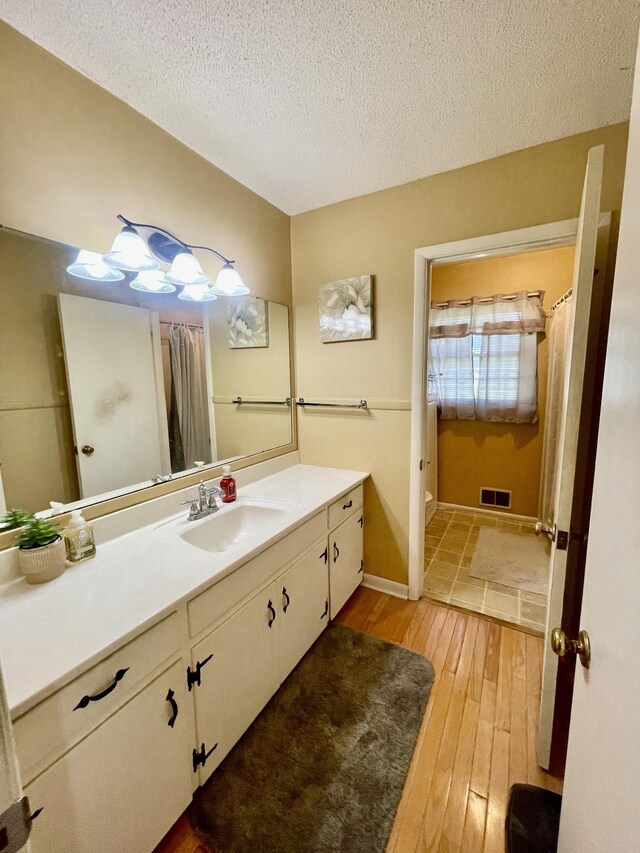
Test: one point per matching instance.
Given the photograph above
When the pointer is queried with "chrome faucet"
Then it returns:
(205, 504)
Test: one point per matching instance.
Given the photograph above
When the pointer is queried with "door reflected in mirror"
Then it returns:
(104, 388)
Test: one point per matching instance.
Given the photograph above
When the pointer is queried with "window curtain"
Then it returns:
(188, 415)
(483, 354)
(557, 347)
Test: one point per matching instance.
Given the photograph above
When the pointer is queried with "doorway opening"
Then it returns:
(495, 361)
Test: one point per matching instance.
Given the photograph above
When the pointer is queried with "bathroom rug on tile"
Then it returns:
(323, 766)
(518, 560)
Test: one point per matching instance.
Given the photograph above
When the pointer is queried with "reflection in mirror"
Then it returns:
(104, 388)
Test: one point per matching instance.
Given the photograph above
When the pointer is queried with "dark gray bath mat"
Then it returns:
(323, 766)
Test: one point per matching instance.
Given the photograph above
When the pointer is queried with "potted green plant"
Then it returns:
(42, 552)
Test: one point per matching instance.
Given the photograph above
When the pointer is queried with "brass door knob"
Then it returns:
(551, 532)
(87, 449)
(561, 645)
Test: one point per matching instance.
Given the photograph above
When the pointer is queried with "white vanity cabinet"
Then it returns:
(346, 564)
(123, 786)
(238, 667)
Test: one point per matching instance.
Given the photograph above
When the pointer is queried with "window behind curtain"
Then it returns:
(484, 358)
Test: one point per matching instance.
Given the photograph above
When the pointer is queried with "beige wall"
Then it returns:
(72, 157)
(378, 234)
(472, 454)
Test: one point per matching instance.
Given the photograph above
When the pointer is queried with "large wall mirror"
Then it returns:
(105, 390)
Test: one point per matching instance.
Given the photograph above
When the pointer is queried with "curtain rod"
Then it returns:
(188, 325)
(562, 299)
(486, 299)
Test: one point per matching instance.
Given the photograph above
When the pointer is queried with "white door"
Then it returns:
(600, 803)
(10, 787)
(114, 371)
(304, 606)
(582, 285)
(238, 675)
(345, 561)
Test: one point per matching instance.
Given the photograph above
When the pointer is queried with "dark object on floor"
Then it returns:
(533, 820)
(323, 766)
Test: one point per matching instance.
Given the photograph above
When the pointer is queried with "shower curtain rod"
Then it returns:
(562, 299)
(510, 297)
(188, 325)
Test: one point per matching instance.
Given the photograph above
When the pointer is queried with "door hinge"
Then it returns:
(200, 756)
(15, 826)
(193, 675)
(562, 540)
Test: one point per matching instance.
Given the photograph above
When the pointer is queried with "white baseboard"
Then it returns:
(400, 590)
(507, 515)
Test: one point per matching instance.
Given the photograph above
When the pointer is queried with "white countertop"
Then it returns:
(51, 633)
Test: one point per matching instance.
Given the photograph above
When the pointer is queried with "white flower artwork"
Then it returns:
(248, 322)
(345, 309)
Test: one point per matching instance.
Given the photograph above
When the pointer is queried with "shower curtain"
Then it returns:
(188, 415)
(557, 348)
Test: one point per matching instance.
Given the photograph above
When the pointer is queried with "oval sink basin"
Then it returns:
(231, 525)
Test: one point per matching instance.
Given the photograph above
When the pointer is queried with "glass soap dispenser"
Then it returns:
(79, 539)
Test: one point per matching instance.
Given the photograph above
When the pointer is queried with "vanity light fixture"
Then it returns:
(185, 270)
(91, 265)
(152, 281)
(229, 283)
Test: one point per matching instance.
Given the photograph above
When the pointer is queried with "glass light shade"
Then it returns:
(92, 266)
(152, 281)
(129, 252)
(185, 270)
(229, 283)
(197, 293)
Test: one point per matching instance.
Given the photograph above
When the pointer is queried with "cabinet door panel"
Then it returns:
(345, 561)
(239, 678)
(303, 601)
(124, 785)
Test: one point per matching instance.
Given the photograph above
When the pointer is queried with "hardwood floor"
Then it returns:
(479, 731)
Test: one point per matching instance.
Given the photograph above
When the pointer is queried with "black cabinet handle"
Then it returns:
(325, 555)
(326, 608)
(286, 595)
(347, 506)
(194, 675)
(120, 674)
(273, 614)
(200, 756)
(360, 521)
(336, 552)
(174, 708)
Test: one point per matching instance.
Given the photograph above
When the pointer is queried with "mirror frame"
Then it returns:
(99, 507)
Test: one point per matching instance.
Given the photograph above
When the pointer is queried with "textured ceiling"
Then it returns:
(308, 102)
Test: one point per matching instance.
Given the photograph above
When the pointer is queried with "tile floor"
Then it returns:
(450, 540)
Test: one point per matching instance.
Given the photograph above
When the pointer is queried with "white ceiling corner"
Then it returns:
(309, 102)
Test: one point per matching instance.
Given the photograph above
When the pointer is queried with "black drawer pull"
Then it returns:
(336, 552)
(120, 674)
(325, 555)
(347, 506)
(326, 608)
(273, 613)
(174, 708)
(360, 521)
(286, 595)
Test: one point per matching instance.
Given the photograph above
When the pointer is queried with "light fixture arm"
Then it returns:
(162, 249)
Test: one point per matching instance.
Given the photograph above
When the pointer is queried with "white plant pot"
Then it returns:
(39, 565)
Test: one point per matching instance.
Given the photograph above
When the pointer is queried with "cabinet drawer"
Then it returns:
(213, 603)
(57, 723)
(340, 509)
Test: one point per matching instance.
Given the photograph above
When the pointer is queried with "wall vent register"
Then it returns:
(495, 497)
